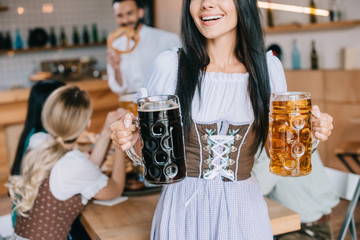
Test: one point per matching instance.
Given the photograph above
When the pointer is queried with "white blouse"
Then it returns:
(226, 94)
(72, 174)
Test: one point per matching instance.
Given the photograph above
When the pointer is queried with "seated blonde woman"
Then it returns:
(56, 182)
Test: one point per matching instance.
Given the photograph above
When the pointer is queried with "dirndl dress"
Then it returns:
(218, 199)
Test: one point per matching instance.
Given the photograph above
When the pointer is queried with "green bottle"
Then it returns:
(312, 13)
(314, 57)
(269, 15)
(95, 33)
(63, 39)
(75, 36)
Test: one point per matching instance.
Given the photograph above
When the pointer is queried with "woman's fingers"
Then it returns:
(124, 132)
(316, 111)
(322, 124)
(321, 133)
(128, 120)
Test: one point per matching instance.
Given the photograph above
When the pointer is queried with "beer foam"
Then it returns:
(157, 109)
(290, 96)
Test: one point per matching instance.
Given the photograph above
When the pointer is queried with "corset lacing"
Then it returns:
(219, 147)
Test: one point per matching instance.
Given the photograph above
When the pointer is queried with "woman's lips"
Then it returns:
(209, 20)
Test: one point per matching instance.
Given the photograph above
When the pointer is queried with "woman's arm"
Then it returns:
(102, 145)
(116, 183)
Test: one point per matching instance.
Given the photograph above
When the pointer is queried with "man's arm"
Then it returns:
(113, 60)
(116, 80)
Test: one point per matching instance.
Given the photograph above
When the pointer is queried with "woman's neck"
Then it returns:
(222, 56)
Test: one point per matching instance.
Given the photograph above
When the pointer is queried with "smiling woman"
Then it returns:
(205, 17)
(223, 78)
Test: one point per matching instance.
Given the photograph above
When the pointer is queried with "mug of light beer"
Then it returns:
(162, 141)
(290, 138)
(128, 101)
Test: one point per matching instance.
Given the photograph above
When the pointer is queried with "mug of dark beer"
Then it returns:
(162, 141)
(290, 138)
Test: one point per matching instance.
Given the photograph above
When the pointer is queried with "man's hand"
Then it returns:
(113, 59)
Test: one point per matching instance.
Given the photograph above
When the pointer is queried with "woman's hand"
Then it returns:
(99, 152)
(124, 132)
(321, 124)
(114, 116)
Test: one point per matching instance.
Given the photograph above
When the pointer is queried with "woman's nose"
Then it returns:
(207, 4)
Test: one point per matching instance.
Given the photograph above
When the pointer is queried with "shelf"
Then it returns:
(3, 8)
(312, 27)
(44, 49)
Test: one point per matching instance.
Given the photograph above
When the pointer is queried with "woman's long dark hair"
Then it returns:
(38, 94)
(249, 50)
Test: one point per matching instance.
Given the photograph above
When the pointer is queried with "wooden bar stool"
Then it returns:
(350, 149)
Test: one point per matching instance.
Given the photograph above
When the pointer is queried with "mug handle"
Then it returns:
(131, 151)
(315, 145)
(315, 141)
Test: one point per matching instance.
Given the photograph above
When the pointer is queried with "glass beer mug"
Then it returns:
(162, 141)
(291, 143)
(128, 101)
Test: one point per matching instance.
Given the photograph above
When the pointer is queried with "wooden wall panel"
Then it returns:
(4, 162)
(337, 93)
(345, 129)
(342, 87)
(306, 81)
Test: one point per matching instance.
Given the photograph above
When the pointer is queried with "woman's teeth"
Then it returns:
(211, 18)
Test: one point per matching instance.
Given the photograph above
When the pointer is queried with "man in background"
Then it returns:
(127, 72)
(311, 196)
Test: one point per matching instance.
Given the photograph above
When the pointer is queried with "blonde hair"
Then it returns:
(65, 116)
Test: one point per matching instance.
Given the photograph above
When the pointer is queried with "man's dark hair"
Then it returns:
(138, 2)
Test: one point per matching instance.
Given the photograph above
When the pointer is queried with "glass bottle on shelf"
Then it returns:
(95, 33)
(295, 55)
(52, 37)
(333, 13)
(30, 39)
(63, 39)
(314, 57)
(340, 10)
(75, 36)
(104, 36)
(7, 41)
(1, 41)
(18, 41)
(269, 16)
(85, 36)
(312, 13)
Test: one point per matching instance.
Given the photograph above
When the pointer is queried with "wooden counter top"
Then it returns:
(132, 219)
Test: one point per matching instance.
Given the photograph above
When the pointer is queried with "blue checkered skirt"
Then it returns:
(201, 209)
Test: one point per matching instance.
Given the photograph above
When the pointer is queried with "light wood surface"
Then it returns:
(337, 92)
(43, 49)
(312, 27)
(132, 219)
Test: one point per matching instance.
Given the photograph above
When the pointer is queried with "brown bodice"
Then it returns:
(199, 152)
(49, 218)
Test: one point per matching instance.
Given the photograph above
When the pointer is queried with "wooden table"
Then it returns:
(132, 219)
